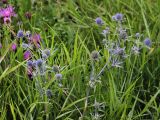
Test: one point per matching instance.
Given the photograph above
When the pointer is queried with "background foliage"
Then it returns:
(68, 28)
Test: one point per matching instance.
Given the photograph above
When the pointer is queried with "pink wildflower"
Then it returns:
(7, 12)
(36, 40)
(13, 47)
(27, 55)
(7, 20)
(30, 73)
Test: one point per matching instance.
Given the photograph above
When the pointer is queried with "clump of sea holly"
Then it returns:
(119, 51)
(118, 48)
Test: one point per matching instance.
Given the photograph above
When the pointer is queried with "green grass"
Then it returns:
(68, 29)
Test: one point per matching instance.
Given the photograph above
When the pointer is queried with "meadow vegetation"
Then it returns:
(79, 59)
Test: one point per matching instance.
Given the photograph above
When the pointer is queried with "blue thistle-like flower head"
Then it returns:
(20, 34)
(49, 93)
(118, 17)
(116, 63)
(39, 63)
(105, 31)
(95, 55)
(118, 51)
(135, 50)
(123, 34)
(99, 21)
(40, 67)
(44, 56)
(58, 76)
(56, 68)
(29, 63)
(113, 18)
(46, 51)
(137, 35)
(25, 46)
(34, 63)
(147, 42)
